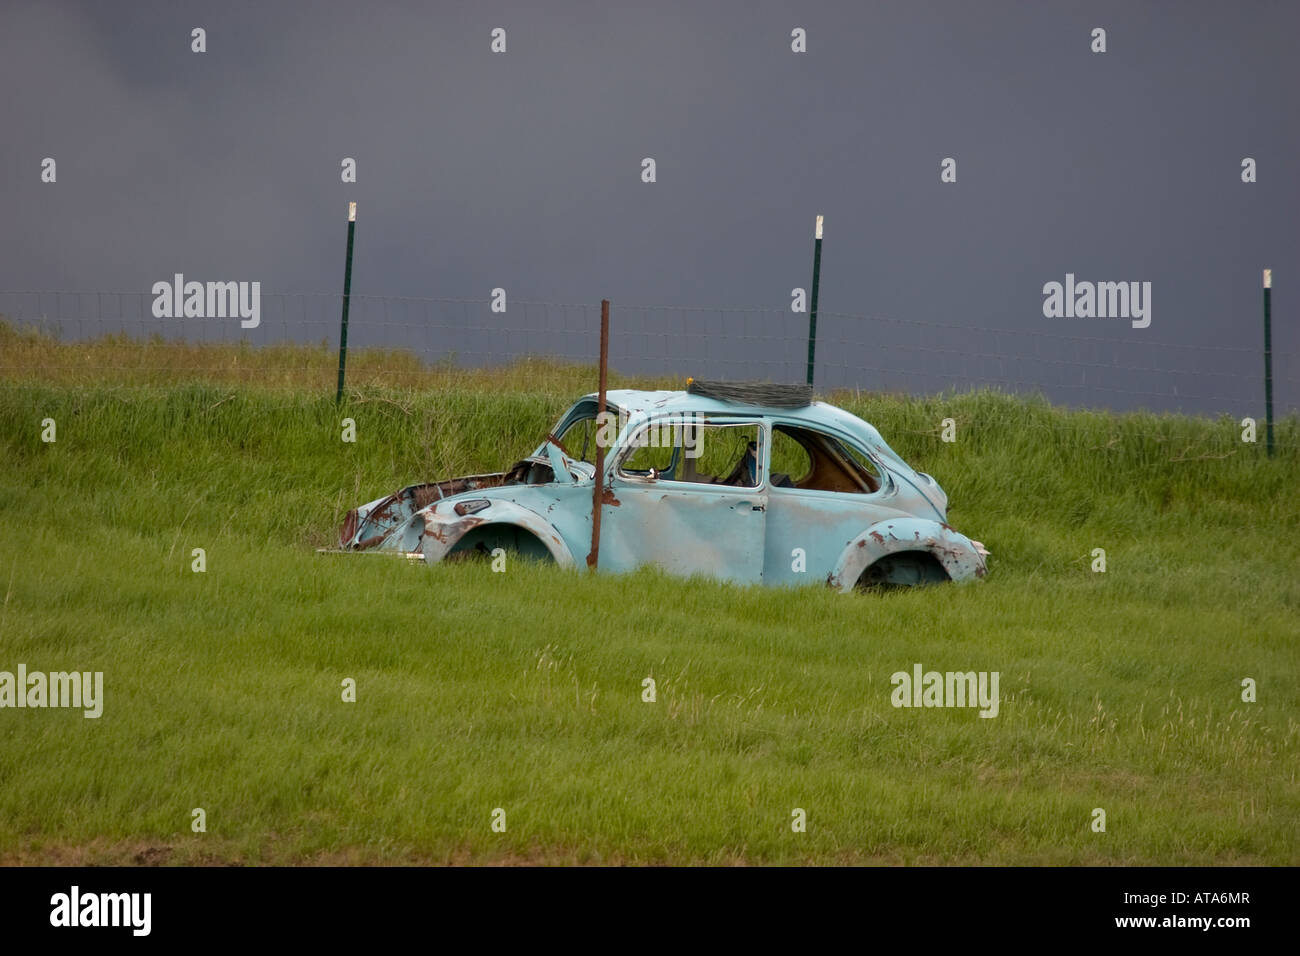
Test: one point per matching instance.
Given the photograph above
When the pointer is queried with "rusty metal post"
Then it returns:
(598, 490)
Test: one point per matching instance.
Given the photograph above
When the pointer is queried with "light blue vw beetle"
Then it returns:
(745, 483)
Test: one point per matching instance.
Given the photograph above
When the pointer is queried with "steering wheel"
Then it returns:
(739, 474)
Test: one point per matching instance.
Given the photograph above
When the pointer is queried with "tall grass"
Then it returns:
(523, 690)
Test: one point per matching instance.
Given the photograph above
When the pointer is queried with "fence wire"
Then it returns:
(1123, 369)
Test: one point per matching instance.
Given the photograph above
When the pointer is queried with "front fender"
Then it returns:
(956, 552)
(443, 531)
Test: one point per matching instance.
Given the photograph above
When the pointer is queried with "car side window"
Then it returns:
(791, 462)
(648, 458)
(709, 453)
(807, 459)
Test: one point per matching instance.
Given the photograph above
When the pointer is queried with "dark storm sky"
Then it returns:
(522, 170)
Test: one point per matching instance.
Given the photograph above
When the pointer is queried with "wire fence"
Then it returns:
(1124, 369)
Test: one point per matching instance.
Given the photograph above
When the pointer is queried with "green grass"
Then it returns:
(522, 690)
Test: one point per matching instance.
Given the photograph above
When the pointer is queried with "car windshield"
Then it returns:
(578, 439)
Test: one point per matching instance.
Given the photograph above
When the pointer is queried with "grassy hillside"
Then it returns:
(522, 690)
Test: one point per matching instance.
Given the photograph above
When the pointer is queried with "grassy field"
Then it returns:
(522, 691)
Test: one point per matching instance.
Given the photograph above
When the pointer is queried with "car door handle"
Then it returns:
(758, 508)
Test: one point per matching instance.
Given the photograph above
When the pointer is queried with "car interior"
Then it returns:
(728, 454)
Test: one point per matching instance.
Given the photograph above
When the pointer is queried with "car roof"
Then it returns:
(637, 404)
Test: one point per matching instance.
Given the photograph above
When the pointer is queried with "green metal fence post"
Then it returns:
(812, 316)
(347, 297)
(1268, 360)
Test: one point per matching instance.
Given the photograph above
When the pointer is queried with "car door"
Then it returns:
(669, 503)
(823, 492)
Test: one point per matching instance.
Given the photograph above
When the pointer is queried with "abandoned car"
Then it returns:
(749, 484)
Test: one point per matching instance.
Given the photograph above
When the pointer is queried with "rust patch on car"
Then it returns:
(607, 497)
(449, 531)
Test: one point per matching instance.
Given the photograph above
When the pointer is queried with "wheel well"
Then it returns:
(509, 537)
(903, 569)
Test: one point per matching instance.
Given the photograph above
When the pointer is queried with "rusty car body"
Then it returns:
(779, 494)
